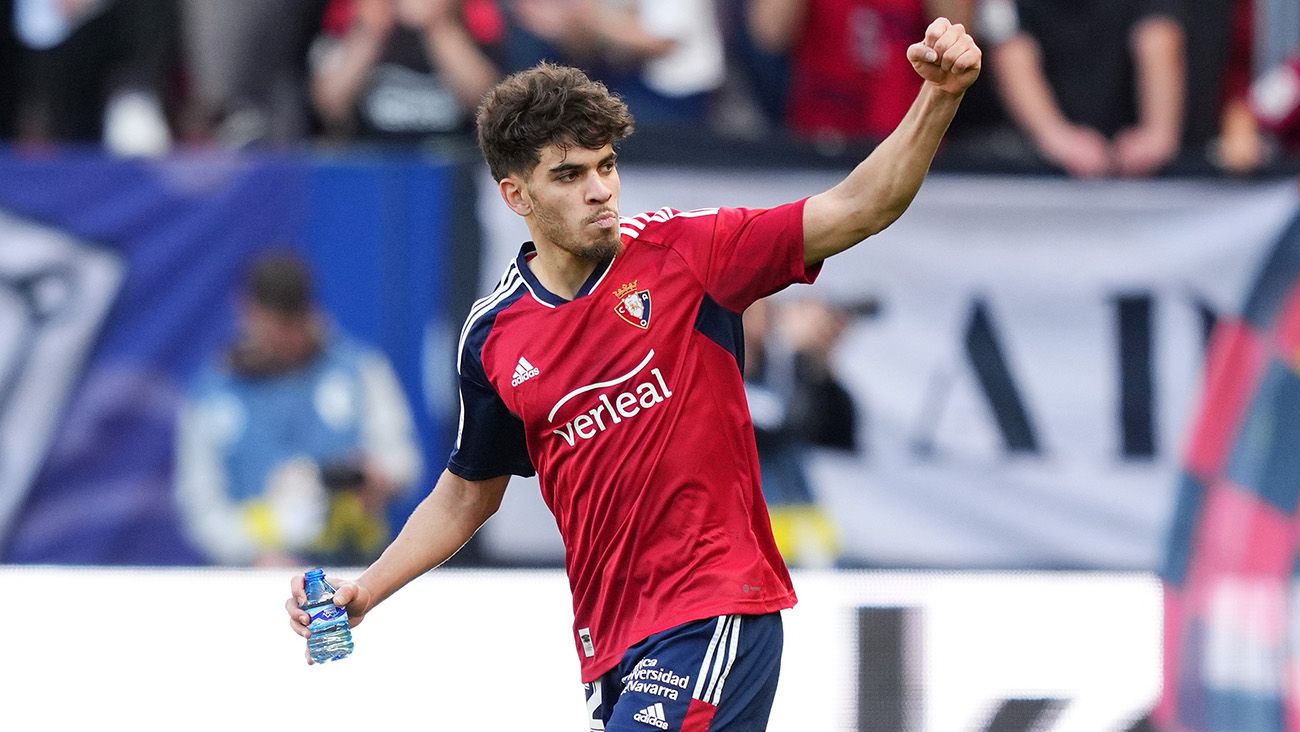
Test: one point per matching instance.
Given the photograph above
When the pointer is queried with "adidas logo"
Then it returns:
(652, 715)
(523, 372)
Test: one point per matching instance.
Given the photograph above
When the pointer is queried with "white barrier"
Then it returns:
(491, 650)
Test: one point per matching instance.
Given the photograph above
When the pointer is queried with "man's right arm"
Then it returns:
(442, 523)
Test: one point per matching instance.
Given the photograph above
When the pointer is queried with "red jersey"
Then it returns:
(628, 403)
(849, 70)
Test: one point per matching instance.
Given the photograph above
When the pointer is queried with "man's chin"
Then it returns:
(603, 249)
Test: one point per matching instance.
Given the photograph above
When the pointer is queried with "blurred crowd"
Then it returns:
(1089, 87)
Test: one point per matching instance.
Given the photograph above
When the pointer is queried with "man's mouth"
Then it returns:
(605, 219)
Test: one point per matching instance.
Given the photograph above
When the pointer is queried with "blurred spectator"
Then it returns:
(293, 442)
(550, 30)
(1275, 98)
(1097, 85)
(1240, 145)
(1277, 35)
(849, 74)
(796, 402)
(499, 27)
(752, 102)
(1275, 94)
(95, 70)
(663, 57)
(395, 69)
(247, 61)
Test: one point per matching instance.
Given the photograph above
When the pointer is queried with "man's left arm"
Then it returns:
(881, 187)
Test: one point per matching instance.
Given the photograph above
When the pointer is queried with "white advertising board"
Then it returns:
(492, 650)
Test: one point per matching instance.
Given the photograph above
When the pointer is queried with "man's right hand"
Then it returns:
(347, 594)
(947, 57)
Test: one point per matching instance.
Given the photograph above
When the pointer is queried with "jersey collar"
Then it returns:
(545, 296)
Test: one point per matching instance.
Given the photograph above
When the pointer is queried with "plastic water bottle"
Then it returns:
(331, 636)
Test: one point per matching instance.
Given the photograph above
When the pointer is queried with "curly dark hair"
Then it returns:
(547, 104)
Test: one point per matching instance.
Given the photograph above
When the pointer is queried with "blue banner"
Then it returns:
(117, 281)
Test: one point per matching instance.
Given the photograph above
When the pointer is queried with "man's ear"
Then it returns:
(515, 194)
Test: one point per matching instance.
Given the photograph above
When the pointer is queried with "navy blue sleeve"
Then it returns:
(490, 441)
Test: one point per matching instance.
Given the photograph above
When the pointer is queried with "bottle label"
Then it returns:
(326, 613)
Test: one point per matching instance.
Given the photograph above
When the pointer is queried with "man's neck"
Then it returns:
(559, 271)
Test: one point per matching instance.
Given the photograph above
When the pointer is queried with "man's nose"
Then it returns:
(597, 190)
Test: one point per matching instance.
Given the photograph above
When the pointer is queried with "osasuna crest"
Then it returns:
(633, 304)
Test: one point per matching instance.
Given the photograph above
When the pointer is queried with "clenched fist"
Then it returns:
(948, 57)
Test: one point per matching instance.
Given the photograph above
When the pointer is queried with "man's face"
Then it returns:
(574, 195)
(283, 337)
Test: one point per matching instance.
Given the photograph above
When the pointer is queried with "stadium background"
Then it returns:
(1058, 515)
(90, 404)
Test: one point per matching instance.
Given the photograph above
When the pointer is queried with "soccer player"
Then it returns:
(607, 360)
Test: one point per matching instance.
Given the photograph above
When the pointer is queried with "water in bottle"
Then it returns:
(331, 636)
